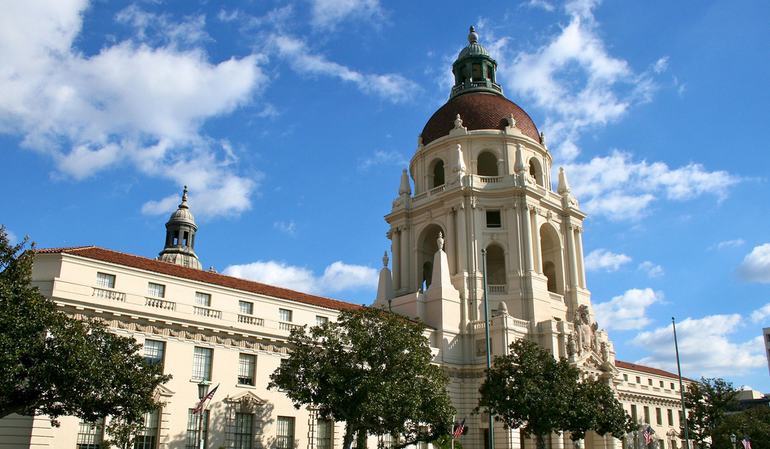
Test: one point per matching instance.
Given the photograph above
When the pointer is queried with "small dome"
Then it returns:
(473, 49)
(478, 110)
(182, 214)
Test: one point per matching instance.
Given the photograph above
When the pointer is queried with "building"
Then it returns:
(479, 199)
(766, 339)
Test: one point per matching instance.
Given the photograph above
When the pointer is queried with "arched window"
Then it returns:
(426, 250)
(438, 173)
(495, 265)
(536, 171)
(551, 255)
(487, 164)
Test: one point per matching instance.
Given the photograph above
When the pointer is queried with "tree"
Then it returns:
(529, 389)
(371, 369)
(56, 365)
(754, 423)
(707, 402)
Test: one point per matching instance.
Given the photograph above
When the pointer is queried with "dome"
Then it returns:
(182, 215)
(473, 49)
(478, 110)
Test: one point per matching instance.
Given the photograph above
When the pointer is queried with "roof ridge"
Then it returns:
(63, 249)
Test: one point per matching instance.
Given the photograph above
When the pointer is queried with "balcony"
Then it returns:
(251, 320)
(497, 289)
(206, 312)
(159, 303)
(287, 326)
(108, 294)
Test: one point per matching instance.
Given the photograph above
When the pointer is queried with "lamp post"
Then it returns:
(733, 439)
(203, 390)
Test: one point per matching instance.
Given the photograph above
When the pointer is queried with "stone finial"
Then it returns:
(458, 122)
(385, 260)
(473, 37)
(511, 120)
(440, 241)
(563, 183)
(404, 188)
(518, 165)
(184, 197)
(542, 138)
(460, 162)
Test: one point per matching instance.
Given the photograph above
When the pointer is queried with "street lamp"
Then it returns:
(733, 439)
(203, 390)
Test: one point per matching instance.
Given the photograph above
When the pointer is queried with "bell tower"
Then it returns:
(179, 247)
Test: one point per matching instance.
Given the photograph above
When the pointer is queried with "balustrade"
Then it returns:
(497, 289)
(160, 304)
(208, 313)
(109, 294)
(252, 320)
(287, 326)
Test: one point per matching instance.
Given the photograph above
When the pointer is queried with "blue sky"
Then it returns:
(291, 121)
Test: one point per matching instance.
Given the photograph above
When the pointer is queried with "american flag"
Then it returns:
(746, 443)
(647, 434)
(199, 407)
(460, 428)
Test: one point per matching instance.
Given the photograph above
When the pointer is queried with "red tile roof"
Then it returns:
(478, 111)
(157, 266)
(645, 369)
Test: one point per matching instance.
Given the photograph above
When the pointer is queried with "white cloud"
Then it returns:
(661, 65)
(756, 265)
(336, 277)
(760, 314)
(287, 227)
(627, 311)
(542, 4)
(619, 188)
(734, 243)
(140, 102)
(381, 157)
(328, 13)
(602, 259)
(389, 86)
(653, 270)
(718, 358)
(12, 239)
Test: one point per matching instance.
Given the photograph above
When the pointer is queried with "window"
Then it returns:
(324, 433)
(192, 440)
(153, 351)
(156, 290)
(670, 417)
(633, 412)
(638, 379)
(202, 299)
(649, 382)
(493, 219)
(646, 414)
(90, 434)
(625, 377)
(244, 429)
(146, 437)
(246, 369)
(105, 280)
(284, 315)
(285, 437)
(438, 173)
(658, 416)
(673, 387)
(246, 308)
(661, 384)
(321, 320)
(202, 358)
(487, 164)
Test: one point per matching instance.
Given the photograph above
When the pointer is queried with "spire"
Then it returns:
(180, 237)
(441, 281)
(474, 69)
(404, 188)
(384, 286)
(563, 187)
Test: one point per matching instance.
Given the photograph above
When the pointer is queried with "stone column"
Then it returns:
(406, 255)
(396, 249)
(581, 261)
(526, 227)
(572, 256)
(451, 242)
(536, 240)
(462, 241)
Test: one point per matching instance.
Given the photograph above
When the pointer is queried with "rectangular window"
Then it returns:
(246, 368)
(192, 439)
(493, 219)
(244, 430)
(146, 437)
(670, 417)
(105, 280)
(284, 439)
(285, 315)
(638, 379)
(661, 384)
(156, 290)
(633, 412)
(673, 387)
(658, 416)
(649, 381)
(202, 299)
(324, 433)
(153, 352)
(202, 358)
(321, 320)
(90, 434)
(246, 308)
(625, 377)
(646, 414)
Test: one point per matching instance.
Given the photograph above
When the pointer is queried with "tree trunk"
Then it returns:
(347, 440)
(540, 440)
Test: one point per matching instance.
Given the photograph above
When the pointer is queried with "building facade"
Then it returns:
(476, 205)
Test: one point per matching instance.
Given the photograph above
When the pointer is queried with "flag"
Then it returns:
(647, 434)
(458, 429)
(746, 443)
(199, 407)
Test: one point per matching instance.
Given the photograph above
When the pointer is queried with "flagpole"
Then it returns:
(489, 344)
(681, 386)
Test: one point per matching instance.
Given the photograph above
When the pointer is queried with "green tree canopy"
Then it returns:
(753, 423)
(529, 389)
(371, 369)
(707, 403)
(56, 365)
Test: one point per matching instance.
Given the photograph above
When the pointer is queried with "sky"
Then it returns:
(291, 121)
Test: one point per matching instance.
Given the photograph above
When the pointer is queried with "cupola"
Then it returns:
(474, 69)
(180, 237)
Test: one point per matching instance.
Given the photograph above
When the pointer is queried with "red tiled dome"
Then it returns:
(478, 111)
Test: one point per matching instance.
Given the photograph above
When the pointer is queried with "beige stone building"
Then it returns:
(477, 198)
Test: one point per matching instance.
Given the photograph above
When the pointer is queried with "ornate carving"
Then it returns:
(458, 122)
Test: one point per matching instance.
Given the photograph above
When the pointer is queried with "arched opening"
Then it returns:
(551, 255)
(496, 269)
(437, 172)
(536, 171)
(487, 164)
(426, 250)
